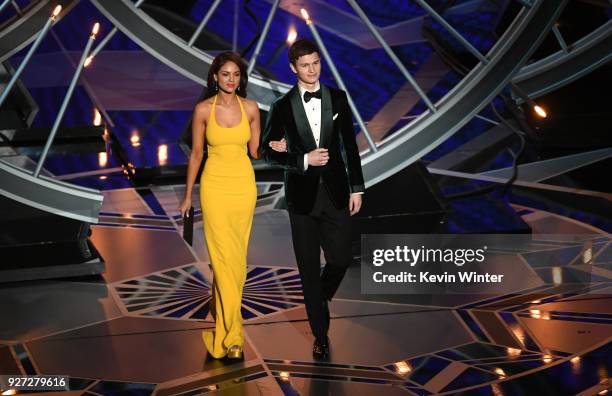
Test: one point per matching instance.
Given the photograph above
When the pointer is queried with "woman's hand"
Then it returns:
(280, 146)
(185, 206)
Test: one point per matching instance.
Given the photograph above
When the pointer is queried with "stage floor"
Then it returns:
(137, 329)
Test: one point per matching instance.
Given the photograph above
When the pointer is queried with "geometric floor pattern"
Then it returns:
(138, 330)
(184, 293)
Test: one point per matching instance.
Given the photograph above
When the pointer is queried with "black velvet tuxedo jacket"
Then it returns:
(341, 175)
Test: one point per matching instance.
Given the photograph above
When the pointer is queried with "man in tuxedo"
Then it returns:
(323, 181)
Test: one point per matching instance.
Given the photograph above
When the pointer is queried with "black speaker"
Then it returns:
(35, 244)
(409, 202)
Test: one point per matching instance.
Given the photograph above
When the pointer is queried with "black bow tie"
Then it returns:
(310, 95)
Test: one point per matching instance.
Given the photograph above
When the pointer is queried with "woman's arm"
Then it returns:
(198, 130)
(253, 113)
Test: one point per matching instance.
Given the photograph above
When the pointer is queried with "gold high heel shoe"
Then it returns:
(234, 352)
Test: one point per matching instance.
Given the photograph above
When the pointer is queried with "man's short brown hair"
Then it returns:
(300, 48)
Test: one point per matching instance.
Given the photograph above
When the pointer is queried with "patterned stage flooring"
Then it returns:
(137, 330)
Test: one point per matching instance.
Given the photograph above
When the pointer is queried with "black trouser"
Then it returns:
(328, 228)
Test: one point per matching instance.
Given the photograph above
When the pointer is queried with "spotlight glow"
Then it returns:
(57, 11)
(162, 154)
(102, 159)
(513, 352)
(97, 118)
(291, 36)
(500, 372)
(305, 14)
(106, 136)
(496, 390)
(402, 367)
(96, 29)
(135, 139)
(540, 111)
(88, 61)
(557, 276)
(519, 334)
(284, 375)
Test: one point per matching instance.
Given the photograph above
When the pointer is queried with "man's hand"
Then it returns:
(318, 157)
(279, 145)
(355, 203)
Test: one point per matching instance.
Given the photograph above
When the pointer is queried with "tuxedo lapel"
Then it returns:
(301, 120)
(327, 124)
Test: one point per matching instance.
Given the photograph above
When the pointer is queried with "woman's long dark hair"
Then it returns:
(218, 62)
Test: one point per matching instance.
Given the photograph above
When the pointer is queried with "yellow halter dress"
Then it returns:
(227, 195)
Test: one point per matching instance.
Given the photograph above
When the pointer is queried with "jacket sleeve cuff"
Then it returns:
(358, 188)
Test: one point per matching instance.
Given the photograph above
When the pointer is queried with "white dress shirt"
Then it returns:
(313, 113)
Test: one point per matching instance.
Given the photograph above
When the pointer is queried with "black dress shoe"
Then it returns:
(320, 349)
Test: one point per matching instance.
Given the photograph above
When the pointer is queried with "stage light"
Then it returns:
(539, 111)
(536, 301)
(518, 333)
(587, 255)
(88, 61)
(496, 390)
(547, 358)
(284, 375)
(102, 159)
(56, 11)
(536, 108)
(500, 372)
(557, 276)
(305, 15)
(603, 392)
(535, 313)
(103, 177)
(291, 36)
(402, 367)
(97, 118)
(95, 29)
(513, 352)
(135, 139)
(575, 364)
(162, 154)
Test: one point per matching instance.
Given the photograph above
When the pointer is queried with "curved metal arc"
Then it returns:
(562, 68)
(49, 195)
(456, 108)
(120, 8)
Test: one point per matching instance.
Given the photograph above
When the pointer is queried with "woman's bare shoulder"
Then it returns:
(250, 105)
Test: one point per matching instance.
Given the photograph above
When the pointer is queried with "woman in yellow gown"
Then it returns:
(229, 123)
